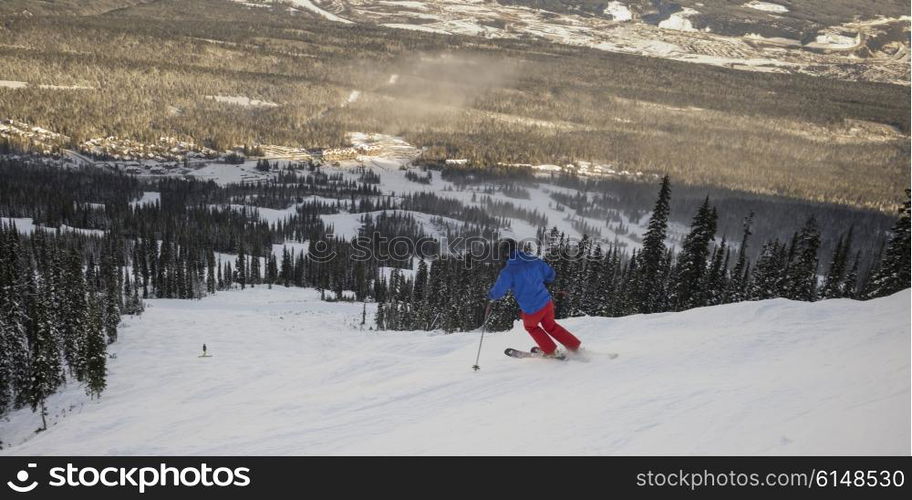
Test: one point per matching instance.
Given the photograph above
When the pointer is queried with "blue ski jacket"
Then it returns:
(526, 275)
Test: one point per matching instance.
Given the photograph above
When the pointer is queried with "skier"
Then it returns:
(204, 349)
(526, 275)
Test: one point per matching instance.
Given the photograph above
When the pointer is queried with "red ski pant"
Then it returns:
(549, 328)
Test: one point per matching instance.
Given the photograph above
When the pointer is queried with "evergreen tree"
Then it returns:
(287, 268)
(229, 276)
(298, 270)
(893, 272)
(833, 283)
(212, 278)
(649, 289)
(629, 302)
(14, 348)
(74, 314)
(768, 275)
(801, 277)
(849, 285)
(596, 285)
(740, 275)
(421, 278)
(380, 317)
(136, 304)
(7, 385)
(692, 261)
(255, 275)
(93, 351)
(272, 270)
(132, 303)
(161, 282)
(241, 269)
(46, 374)
(716, 280)
(111, 317)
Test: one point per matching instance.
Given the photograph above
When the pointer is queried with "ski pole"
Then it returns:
(481, 341)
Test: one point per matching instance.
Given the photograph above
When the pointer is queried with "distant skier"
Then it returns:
(526, 275)
(204, 349)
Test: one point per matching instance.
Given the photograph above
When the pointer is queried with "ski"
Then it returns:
(516, 353)
(582, 355)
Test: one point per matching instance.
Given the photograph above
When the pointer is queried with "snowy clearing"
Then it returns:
(13, 84)
(225, 173)
(269, 215)
(618, 11)
(348, 225)
(405, 4)
(291, 375)
(65, 87)
(241, 101)
(679, 20)
(307, 4)
(767, 7)
(835, 41)
(416, 27)
(295, 247)
(26, 225)
(148, 198)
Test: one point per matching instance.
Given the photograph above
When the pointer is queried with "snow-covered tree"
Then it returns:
(740, 276)
(74, 314)
(649, 289)
(893, 272)
(801, 277)
(45, 374)
(93, 351)
(834, 280)
(692, 261)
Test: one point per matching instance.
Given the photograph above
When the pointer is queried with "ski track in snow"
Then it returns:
(291, 375)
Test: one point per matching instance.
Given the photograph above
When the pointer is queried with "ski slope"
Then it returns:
(290, 375)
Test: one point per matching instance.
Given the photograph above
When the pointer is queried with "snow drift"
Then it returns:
(292, 375)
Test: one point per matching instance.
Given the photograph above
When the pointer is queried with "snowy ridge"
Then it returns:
(291, 375)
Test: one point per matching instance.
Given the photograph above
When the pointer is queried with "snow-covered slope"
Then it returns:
(292, 375)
